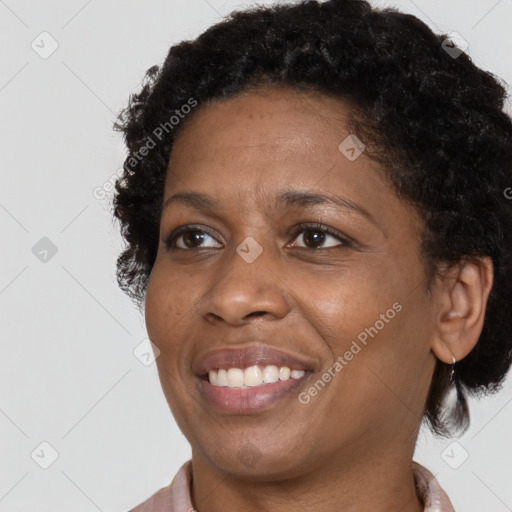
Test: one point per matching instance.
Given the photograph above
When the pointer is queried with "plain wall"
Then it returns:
(68, 373)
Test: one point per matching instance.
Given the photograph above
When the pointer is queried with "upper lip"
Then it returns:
(246, 356)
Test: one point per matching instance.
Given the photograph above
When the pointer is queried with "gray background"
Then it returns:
(68, 372)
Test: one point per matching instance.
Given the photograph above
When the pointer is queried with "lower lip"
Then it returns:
(251, 400)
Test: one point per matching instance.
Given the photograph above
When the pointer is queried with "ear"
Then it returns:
(460, 300)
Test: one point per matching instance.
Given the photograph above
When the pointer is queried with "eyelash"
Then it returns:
(170, 242)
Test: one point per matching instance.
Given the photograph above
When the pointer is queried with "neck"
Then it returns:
(378, 480)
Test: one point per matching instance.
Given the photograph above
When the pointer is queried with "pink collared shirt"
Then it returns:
(176, 496)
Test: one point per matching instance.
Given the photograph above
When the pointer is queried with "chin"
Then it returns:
(257, 460)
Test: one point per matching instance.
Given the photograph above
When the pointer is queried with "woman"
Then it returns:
(316, 228)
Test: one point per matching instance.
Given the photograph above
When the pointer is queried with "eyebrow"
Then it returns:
(289, 198)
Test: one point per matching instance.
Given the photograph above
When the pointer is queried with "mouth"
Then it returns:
(239, 398)
(249, 379)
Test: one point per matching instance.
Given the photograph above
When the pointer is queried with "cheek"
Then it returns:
(165, 313)
(166, 306)
(376, 324)
(390, 371)
(348, 301)
(156, 307)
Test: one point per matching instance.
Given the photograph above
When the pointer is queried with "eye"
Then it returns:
(190, 236)
(316, 235)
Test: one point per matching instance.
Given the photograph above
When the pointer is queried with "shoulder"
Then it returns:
(174, 497)
(161, 500)
(430, 492)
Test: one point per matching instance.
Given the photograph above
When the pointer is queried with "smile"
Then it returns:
(252, 376)
(243, 399)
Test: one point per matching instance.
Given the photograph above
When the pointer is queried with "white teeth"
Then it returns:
(235, 378)
(252, 376)
(270, 374)
(213, 378)
(284, 373)
(222, 378)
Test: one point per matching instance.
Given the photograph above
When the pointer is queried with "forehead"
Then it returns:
(266, 137)
(269, 121)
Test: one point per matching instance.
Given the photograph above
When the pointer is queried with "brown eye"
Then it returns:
(313, 237)
(187, 238)
(316, 235)
(191, 238)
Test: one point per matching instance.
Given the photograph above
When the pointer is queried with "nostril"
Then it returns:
(257, 313)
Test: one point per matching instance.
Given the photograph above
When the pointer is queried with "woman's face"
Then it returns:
(350, 306)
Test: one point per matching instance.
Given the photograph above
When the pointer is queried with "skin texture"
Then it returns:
(350, 448)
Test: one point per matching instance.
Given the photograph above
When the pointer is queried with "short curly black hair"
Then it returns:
(434, 121)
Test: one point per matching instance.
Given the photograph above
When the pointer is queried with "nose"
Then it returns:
(247, 290)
